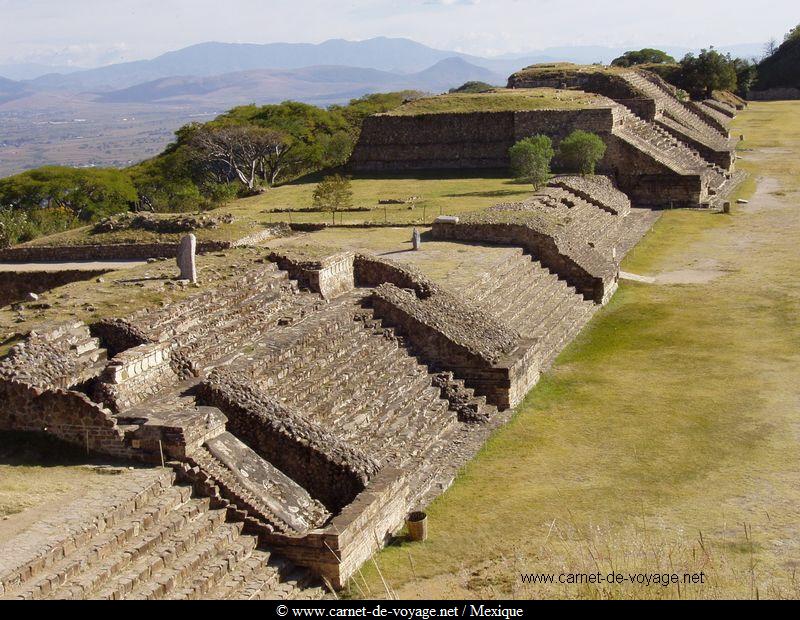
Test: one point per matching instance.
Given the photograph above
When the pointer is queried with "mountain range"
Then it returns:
(399, 56)
(116, 114)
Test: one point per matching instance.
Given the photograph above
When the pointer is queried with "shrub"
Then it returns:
(580, 151)
(530, 159)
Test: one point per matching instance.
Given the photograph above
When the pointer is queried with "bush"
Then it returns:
(530, 159)
(580, 151)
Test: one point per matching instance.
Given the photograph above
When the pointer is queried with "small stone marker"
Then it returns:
(726, 207)
(186, 258)
(742, 201)
(447, 219)
(416, 241)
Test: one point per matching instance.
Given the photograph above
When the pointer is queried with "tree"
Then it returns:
(85, 194)
(333, 193)
(530, 159)
(770, 47)
(237, 152)
(580, 151)
(644, 56)
(707, 72)
(746, 75)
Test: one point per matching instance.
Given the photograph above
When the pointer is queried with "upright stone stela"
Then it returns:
(416, 239)
(186, 258)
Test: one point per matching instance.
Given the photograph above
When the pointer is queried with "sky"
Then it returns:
(90, 33)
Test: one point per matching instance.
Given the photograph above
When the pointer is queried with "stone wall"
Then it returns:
(448, 333)
(68, 415)
(136, 375)
(15, 285)
(330, 470)
(462, 140)
(774, 94)
(337, 551)
(649, 175)
(330, 277)
(110, 252)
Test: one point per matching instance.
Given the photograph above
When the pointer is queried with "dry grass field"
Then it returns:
(433, 195)
(665, 438)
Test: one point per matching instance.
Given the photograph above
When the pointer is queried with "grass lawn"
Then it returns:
(502, 100)
(434, 195)
(665, 438)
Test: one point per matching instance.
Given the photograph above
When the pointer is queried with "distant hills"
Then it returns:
(316, 84)
(117, 114)
(394, 55)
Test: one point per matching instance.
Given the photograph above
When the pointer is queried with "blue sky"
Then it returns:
(93, 32)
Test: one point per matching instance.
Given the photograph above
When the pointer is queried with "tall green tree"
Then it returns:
(644, 56)
(708, 71)
(87, 193)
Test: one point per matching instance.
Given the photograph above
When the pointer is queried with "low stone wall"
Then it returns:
(68, 415)
(445, 329)
(337, 551)
(774, 94)
(330, 470)
(110, 252)
(372, 271)
(448, 333)
(330, 277)
(15, 285)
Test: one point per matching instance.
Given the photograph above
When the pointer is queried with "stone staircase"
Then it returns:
(167, 544)
(342, 368)
(668, 150)
(533, 300)
(672, 107)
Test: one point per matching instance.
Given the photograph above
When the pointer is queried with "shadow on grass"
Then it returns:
(20, 449)
(496, 193)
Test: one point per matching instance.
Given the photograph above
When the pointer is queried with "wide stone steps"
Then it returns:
(196, 310)
(206, 526)
(570, 327)
(360, 385)
(667, 149)
(165, 543)
(150, 516)
(673, 107)
(98, 574)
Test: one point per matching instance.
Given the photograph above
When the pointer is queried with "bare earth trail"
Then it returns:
(665, 440)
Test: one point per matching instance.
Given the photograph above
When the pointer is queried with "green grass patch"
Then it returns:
(502, 100)
(663, 440)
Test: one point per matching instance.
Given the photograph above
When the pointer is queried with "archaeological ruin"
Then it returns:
(286, 419)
